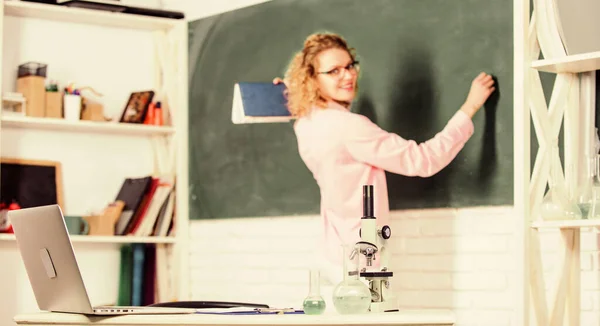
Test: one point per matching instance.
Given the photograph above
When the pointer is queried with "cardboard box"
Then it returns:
(92, 111)
(34, 90)
(54, 105)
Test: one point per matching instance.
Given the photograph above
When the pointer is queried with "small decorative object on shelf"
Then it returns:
(137, 107)
(154, 116)
(92, 108)
(5, 226)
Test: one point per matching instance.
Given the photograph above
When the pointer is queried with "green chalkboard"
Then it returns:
(418, 58)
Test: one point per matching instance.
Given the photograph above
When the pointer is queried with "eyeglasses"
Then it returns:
(337, 72)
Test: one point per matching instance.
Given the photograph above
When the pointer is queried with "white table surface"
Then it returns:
(403, 317)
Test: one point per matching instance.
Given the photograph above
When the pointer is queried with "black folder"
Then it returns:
(132, 193)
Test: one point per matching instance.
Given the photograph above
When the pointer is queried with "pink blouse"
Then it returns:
(345, 151)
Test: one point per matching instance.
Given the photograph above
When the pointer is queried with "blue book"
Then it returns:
(259, 102)
(137, 281)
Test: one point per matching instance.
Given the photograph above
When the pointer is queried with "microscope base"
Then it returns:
(386, 306)
(379, 284)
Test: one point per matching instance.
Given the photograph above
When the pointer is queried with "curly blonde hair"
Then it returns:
(302, 90)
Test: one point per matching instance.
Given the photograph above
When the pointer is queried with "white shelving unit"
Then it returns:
(86, 16)
(569, 64)
(85, 126)
(173, 34)
(566, 224)
(572, 104)
(107, 239)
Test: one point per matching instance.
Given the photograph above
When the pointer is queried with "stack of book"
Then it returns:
(149, 206)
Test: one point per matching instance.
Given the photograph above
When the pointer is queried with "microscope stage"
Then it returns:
(376, 274)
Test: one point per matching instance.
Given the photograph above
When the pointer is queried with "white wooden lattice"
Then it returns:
(564, 106)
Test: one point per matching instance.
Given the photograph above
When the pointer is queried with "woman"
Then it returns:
(345, 151)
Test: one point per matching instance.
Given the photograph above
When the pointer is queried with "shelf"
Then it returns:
(86, 16)
(84, 126)
(105, 239)
(565, 224)
(571, 64)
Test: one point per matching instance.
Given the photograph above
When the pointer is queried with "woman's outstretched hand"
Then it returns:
(481, 88)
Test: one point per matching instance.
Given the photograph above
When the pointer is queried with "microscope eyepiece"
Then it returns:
(368, 201)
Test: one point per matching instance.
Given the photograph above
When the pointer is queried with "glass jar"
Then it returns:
(584, 195)
(314, 304)
(595, 207)
(351, 295)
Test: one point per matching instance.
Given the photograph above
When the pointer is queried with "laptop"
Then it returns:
(47, 252)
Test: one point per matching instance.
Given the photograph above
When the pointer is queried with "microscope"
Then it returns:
(374, 240)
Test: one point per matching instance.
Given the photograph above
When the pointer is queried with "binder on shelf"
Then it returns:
(137, 273)
(125, 276)
(132, 193)
(259, 102)
(165, 216)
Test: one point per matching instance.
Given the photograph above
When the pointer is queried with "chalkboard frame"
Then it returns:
(42, 163)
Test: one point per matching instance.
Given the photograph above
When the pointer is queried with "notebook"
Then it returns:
(259, 102)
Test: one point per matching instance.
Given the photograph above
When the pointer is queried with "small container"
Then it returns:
(32, 69)
(157, 115)
(72, 107)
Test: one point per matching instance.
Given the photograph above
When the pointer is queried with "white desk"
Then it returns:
(402, 318)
